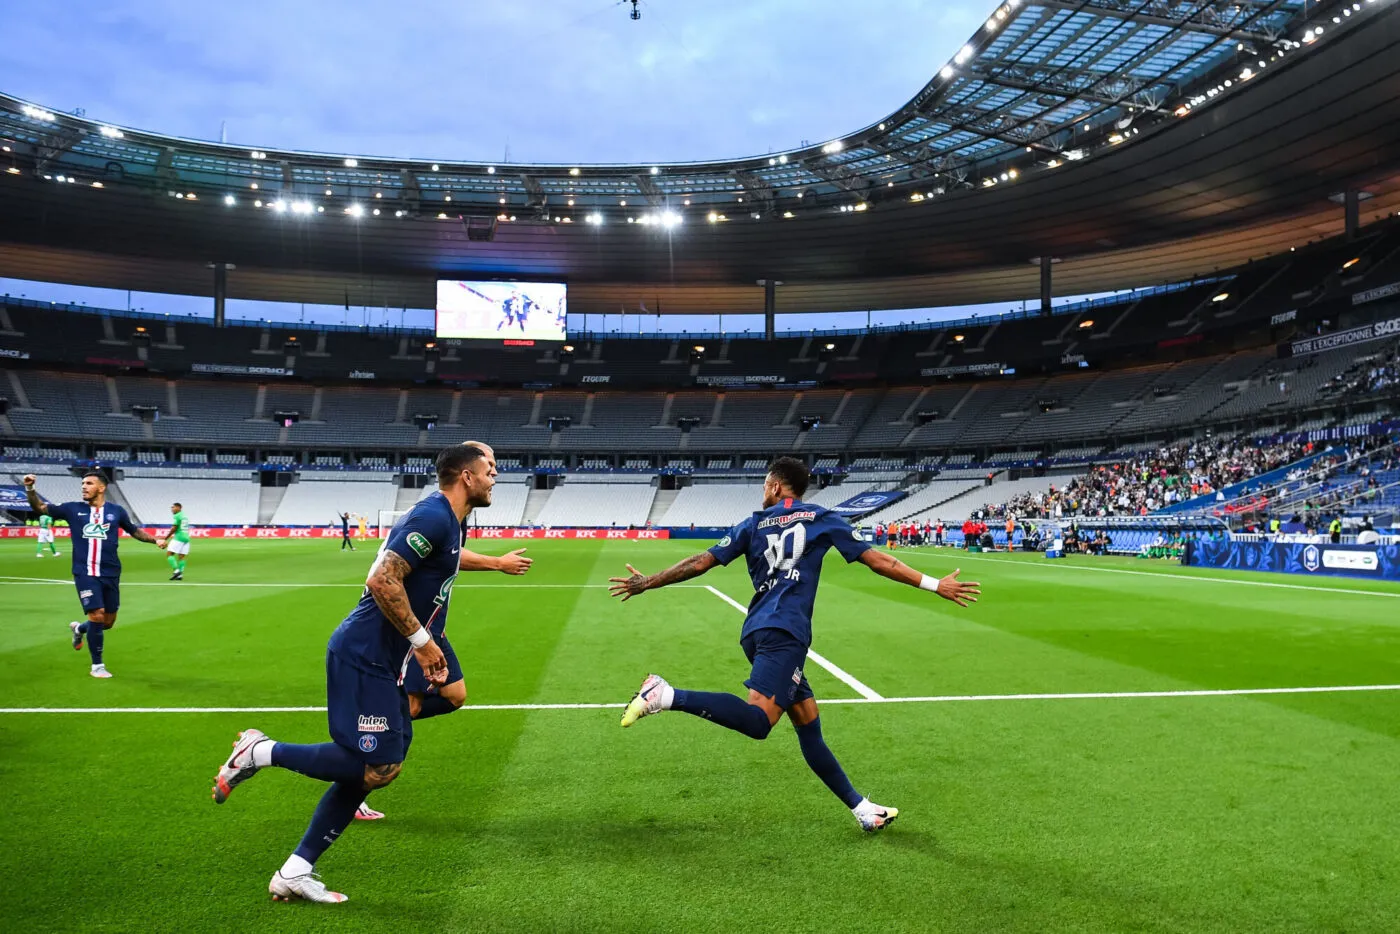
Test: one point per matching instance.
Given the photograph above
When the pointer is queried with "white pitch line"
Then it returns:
(841, 674)
(933, 699)
(39, 581)
(1175, 577)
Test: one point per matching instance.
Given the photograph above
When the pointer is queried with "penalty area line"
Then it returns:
(932, 699)
(840, 674)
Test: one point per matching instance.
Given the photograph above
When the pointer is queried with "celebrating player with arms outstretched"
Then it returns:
(397, 625)
(426, 699)
(94, 525)
(784, 544)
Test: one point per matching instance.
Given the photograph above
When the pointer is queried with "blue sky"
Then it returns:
(553, 80)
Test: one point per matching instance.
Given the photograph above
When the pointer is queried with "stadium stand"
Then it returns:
(713, 504)
(207, 502)
(608, 502)
(317, 499)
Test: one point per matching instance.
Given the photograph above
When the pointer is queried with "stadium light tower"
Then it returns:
(636, 13)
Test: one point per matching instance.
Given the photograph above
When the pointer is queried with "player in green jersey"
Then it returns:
(46, 537)
(177, 542)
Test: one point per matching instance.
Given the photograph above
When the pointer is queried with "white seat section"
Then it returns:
(841, 492)
(597, 505)
(929, 497)
(319, 502)
(713, 504)
(206, 502)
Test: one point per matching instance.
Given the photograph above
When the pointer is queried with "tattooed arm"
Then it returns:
(694, 566)
(35, 503)
(385, 585)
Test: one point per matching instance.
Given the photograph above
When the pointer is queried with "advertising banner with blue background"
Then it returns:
(867, 502)
(1378, 562)
(12, 497)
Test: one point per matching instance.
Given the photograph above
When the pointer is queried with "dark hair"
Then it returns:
(790, 473)
(97, 474)
(452, 461)
(178, 505)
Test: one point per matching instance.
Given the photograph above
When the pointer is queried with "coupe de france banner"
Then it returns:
(501, 310)
(867, 502)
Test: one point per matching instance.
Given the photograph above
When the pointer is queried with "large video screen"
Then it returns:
(505, 310)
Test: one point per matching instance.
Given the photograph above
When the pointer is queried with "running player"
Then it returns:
(784, 544)
(46, 537)
(97, 570)
(177, 542)
(426, 699)
(367, 659)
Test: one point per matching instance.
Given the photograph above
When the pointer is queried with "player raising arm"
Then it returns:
(784, 544)
(95, 526)
(397, 627)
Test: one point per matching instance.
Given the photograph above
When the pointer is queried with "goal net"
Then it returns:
(387, 518)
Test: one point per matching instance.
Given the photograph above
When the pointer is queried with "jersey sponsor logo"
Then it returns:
(368, 742)
(420, 545)
(96, 529)
(368, 724)
(786, 519)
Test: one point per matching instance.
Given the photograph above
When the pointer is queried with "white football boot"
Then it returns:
(874, 817)
(100, 671)
(365, 812)
(306, 888)
(239, 767)
(654, 696)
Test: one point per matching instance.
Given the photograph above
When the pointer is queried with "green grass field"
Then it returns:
(1241, 813)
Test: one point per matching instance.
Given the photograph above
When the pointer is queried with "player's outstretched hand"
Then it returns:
(627, 587)
(431, 660)
(515, 562)
(960, 592)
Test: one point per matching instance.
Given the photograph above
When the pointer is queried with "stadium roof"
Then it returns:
(1116, 123)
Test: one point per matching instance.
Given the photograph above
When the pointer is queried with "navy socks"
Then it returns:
(95, 633)
(325, 761)
(335, 812)
(433, 705)
(821, 760)
(726, 710)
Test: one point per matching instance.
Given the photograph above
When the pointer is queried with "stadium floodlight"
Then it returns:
(670, 219)
(490, 169)
(355, 210)
(447, 197)
(379, 194)
(37, 113)
(945, 72)
(112, 132)
(573, 171)
(1220, 297)
(254, 186)
(257, 154)
(595, 219)
(963, 55)
(832, 147)
(435, 166)
(712, 217)
(257, 203)
(301, 207)
(959, 338)
(279, 206)
(623, 202)
(782, 160)
(12, 170)
(99, 185)
(352, 163)
(570, 202)
(788, 214)
(328, 192)
(375, 212)
(655, 170)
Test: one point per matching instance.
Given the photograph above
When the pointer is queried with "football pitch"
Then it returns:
(1165, 795)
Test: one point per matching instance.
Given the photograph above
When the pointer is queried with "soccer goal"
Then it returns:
(387, 518)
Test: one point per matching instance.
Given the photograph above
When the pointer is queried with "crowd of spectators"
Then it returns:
(1369, 376)
(1153, 480)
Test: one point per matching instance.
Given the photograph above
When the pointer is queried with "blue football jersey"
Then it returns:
(429, 538)
(784, 545)
(95, 535)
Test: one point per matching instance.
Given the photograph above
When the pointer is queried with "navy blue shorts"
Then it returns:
(98, 593)
(415, 682)
(777, 658)
(368, 714)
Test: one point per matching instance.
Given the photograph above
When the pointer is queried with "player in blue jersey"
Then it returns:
(95, 526)
(398, 623)
(426, 699)
(784, 544)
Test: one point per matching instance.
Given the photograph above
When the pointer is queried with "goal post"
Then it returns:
(387, 518)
